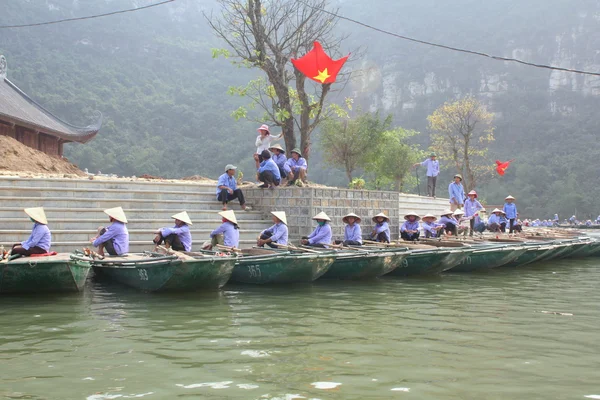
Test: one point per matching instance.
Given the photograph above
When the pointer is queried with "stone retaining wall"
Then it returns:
(301, 204)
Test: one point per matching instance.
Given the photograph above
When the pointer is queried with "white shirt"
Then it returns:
(264, 144)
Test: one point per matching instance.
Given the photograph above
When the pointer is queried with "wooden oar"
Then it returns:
(342, 247)
(292, 247)
(228, 248)
(179, 254)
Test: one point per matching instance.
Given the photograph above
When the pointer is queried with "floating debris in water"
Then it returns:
(255, 353)
(116, 396)
(557, 313)
(400, 390)
(212, 385)
(593, 396)
(89, 378)
(246, 386)
(326, 385)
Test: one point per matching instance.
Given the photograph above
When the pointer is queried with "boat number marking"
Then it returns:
(254, 271)
(467, 260)
(143, 274)
(404, 263)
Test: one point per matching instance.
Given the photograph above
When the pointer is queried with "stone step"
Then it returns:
(54, 213)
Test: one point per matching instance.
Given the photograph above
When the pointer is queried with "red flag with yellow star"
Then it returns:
(318, 66)
(501, 166)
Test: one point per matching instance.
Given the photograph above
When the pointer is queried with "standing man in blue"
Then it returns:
(456, 193)
(433, 170)
(227, 188)
(510, 209)
(472, 207)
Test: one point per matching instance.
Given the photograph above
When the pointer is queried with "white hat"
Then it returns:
(356, 217)
(458, 212)
(322, 216)
(183, 217)
(280, 215)
(229, 215)
(497, 210)
(414, 214)
(509, 197)
(116, 213)
(447, 211)
(430, 216)
(381, 215)
(37, 214)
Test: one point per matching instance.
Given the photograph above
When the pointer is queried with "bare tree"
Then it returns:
(265, 34)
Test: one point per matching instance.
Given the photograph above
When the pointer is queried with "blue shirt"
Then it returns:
(117, 231)
(40, 237)
(269, 165)
(321, 235)
(353, 232)
(231, 236)
(456, 193)
(182, 232)
(430, 227)
(503, 219)
(226, 180)
(383, 227)
(445, 220)
(510, 209)
(293, 165)
(433, 167)
(279, 233)
(471, 207)
(409, 226)
(494, 219)
(279, 159)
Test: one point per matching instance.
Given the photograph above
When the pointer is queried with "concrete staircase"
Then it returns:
(74, 210)
(422, 205)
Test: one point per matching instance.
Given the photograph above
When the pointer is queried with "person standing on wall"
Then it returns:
(433, 170)
(456, 192)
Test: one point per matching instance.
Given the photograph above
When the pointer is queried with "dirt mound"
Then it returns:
(15, 156)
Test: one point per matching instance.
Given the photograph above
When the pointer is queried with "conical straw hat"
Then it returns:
(117, 213)
(458, 212)
(413, 214)
(280, 215)
(345, 218)
(447, 212)
(509, 197)
(37, 214)
(229, 215)
(183, 216)
(430, 216)
(277, 146)
(496, 210)
(374, 219)
(322, 216)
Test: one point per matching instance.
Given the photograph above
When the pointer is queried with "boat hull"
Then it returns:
(485, 259)
(281, 269)
(364, 266)
(422, 262)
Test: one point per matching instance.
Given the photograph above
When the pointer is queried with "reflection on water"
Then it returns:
(497, 335)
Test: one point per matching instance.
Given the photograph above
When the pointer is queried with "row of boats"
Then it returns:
(196, 271)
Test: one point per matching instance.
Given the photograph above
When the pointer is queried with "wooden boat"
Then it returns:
(488, 257)
(63, 272)
(430, 261)
(263, 266)
(154, 272)
(365, 263)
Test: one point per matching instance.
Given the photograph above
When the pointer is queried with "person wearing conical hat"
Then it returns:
(178, 237)
(229, 231)
(352, 231)
(381, 230)
(227, 189)
(321, 236)
(510, 209)
(458, 215)
(278, 233)
(410, 228)
(279, 158)
(494, 221)
(449, 221)
(115, 238)
(503, 221)
(296, 168)
(40, 239)
(472, 207)
(430, 227)
(433, 170)
(263, 141)
(456, 193)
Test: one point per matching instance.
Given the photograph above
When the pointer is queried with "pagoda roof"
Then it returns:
(18, 108)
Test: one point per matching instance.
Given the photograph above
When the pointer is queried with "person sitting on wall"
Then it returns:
(278, 156)
(276, 234)
(381, 230)
(39, 240)
(321, 236)
(178, 237)
(352, 231)
(410, 228)
(268, 172)
(430, 227)
(296, 168)
(115, 238)
(227, 189)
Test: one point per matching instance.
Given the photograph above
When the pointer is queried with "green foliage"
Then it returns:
(357, 183)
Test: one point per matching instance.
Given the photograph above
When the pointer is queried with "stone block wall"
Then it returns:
(301, 204)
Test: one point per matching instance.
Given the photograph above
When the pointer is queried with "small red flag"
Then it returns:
(318, 66)
(501, 166)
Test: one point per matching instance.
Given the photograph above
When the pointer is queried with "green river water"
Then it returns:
(457, 336)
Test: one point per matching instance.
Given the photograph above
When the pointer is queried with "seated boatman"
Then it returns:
(450, 223)
(178, 237)
(410, 228)
(277, 233)
(494, 221)
(381, 230)
(115, 238)
(40, 239)
(321, 236)
(227, 234)
(431, 228)
(278, 156)
(296, 168)
(227, 189)
(268, 171)
(458, 215)
(352, 231)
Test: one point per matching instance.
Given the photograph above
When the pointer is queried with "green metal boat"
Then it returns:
(430, 261)
(488, 257)
(534, 253)
(63, 272)
(364, 264)
(153, 272)
(261, 266)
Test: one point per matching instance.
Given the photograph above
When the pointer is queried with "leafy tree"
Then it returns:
(352, 143)
(462, 131)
